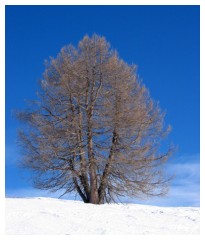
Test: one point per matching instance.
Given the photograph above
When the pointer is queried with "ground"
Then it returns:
(54, 216)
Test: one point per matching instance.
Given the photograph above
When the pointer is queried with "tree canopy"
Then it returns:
(94, 130)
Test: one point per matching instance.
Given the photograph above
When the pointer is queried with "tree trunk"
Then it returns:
(94, 198)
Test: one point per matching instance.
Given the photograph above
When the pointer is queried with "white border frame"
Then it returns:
(202, 110)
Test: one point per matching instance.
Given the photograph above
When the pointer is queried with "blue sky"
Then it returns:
(162, 40)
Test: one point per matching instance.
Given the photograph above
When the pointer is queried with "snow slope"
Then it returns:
(54, 216)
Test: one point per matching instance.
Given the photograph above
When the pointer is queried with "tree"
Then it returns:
(95, 129)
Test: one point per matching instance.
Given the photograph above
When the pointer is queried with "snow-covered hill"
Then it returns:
(54, 216)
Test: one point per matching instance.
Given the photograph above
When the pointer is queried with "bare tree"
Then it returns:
(95, 130)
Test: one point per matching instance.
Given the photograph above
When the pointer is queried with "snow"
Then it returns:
(54, 216)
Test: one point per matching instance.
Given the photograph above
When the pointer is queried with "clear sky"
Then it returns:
(162, 40)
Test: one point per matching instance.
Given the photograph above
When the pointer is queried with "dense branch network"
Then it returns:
(95, 130)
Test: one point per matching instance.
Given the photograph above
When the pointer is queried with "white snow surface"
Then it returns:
(54, 216)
